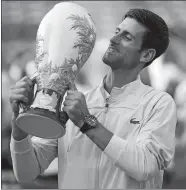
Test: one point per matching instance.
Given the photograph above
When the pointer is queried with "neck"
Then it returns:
(119, 78)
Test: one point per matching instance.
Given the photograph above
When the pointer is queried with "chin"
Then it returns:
(110, 63)
(111, 60)
(106, 61)
(107, 57)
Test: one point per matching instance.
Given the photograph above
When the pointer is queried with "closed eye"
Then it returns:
(125, 34)
(127, 37)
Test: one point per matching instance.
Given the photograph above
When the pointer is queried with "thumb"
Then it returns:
(72, 86)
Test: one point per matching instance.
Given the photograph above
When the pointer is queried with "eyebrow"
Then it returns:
(126, 32)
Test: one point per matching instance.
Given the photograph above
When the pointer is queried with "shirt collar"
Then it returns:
(130, 93)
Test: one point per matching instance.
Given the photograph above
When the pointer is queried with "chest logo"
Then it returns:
(134, 121)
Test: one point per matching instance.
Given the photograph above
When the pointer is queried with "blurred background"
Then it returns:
(20, 21)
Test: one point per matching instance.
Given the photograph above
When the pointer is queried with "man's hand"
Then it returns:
(22, 91)
(75, 106)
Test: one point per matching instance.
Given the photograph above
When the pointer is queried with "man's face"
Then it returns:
(125, 45)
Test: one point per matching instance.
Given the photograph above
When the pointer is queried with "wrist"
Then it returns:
(17, 133)
(80, 124)
(91, 131)
(90, 122)
(14, 116)
(99, 135)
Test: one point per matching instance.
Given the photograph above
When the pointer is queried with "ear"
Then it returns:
(147, 55)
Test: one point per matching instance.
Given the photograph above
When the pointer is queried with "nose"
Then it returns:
(115, 39)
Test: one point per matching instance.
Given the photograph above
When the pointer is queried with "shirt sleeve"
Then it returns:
(32, 156)
(153, 149)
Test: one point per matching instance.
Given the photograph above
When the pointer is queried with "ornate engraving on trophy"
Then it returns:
(56, 77)
(39, 50)
(46, 101)
(87, 36)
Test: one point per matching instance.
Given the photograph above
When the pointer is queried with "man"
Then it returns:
(120, 134)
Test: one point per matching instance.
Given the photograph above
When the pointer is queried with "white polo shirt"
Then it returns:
(143, 121)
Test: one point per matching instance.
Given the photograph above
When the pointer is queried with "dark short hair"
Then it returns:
(158, 35)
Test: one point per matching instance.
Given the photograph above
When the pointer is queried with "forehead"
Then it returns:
(132, 26)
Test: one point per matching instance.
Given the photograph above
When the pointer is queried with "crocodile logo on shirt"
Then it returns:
(133, 121)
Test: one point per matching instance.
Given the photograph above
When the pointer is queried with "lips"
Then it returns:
(112, 49)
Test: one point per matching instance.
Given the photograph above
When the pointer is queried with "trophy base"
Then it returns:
(39, 123)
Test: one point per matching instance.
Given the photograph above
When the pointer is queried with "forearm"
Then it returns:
(35, 154)
(133, 158)
(25, 163)
(100, 136)
(23, 155)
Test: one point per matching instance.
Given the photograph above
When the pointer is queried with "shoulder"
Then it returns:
(157, 103)
(159, 108)
(158, 97)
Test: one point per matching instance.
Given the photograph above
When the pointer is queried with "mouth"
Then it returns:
(112, 49)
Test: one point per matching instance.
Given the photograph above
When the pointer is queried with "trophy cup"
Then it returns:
(65, 40)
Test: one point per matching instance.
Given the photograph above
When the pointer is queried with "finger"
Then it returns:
(18, 98)
(65, 109)
(71, 92)
(20, 91)
(68, 102)
(15, 108)
(22, 84)
(24, 78)
(72, 86)
(68, 109)
(70, 96)
(27, 79)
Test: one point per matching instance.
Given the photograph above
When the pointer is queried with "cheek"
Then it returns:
(129, 54)
(133, 51)
(131, 57)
